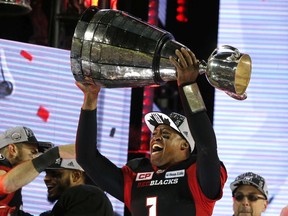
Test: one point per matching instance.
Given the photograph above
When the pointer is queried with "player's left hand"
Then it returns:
(187, 66)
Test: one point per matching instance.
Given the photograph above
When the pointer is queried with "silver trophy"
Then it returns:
(14, 7)
(114, 49)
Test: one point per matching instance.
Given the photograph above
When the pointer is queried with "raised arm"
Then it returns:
(101, 170)
(208, 163)
(26, 172)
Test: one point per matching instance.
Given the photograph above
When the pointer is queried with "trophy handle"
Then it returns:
(234, 55)
(202, 67)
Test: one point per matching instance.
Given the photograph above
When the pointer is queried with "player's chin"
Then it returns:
(52, 198)
(244, 213)
(157, 161)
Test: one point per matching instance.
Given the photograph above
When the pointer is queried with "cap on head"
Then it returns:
(174, 120)
(250, 178)
(21, 134)
(61, 163)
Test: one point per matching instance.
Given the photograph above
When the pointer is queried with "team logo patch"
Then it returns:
(158, 118)
(58, 161)
(144, 176)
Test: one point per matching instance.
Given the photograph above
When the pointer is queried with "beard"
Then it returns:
(57, 191)
(52, 199)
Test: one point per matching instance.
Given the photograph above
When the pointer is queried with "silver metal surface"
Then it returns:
(228, 70)
(114, 49)
(14, 7)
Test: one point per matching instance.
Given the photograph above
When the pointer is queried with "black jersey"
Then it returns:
(178, 190)
(191, 187)
(86, 200)
(165, 192)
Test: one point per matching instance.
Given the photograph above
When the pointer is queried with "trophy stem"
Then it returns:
(202, 67)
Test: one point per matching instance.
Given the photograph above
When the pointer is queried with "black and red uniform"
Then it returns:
(11, 202)
(187, 188)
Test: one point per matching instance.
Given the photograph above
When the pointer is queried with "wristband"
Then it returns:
(194, 98)
(46, 159)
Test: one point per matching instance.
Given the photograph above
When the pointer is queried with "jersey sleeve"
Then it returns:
(208, 169)
(100, 169)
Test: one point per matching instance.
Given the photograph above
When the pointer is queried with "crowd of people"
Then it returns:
(183, 176)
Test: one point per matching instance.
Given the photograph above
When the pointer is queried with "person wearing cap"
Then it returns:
(183, 175)
(22, 159)
(250, 194)
(67, 184)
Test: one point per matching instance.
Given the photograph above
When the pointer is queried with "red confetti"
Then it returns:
(43, 113)
(26, 55)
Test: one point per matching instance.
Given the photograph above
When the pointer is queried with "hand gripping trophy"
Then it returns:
(114, 49)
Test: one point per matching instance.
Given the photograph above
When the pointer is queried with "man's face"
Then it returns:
(165, 147)
(246, 207)
(57, 182)
(25, 152)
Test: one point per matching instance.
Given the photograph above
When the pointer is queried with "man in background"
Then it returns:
(67, 184)
(22, 159)
(250, 194)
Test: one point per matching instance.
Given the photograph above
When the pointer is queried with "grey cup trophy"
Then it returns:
(14, 7)
(113, 49)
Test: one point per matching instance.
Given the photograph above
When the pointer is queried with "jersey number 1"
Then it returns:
(151, 203)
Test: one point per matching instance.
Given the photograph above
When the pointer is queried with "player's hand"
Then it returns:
(88, 88)
(187, 66)
(91, 92)
(67, 151)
